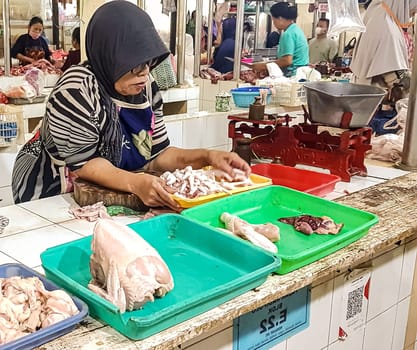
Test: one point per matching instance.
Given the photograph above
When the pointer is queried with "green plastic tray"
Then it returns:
(270, 203)
(209, 267)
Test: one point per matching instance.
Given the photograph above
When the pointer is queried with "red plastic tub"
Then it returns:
(307, 181)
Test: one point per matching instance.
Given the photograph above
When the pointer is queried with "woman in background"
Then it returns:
(31, 47)
(74, 56)
(292, 50)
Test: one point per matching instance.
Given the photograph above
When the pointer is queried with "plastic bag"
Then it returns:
(345, 17)
(35, 78)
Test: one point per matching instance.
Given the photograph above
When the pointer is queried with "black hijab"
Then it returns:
(120, 36)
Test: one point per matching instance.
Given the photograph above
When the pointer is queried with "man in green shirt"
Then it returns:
(293, 47)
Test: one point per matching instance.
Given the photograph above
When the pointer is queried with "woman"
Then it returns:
(104, 120)
(381, 56)
(226, 46)
(31, 47)
(293, 47)
(74, 55)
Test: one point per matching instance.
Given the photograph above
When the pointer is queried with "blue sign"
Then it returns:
(272, 323)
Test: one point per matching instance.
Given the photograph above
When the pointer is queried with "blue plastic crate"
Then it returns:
(245, 96)
(46, 334)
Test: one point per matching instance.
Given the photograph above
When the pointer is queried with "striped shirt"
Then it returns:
(72, 133)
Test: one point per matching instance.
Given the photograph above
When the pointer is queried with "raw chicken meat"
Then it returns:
(261, 235)
(26, 306)
(309, 224)
(126, 270)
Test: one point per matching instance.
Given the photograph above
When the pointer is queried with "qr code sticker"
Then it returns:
(354, 303)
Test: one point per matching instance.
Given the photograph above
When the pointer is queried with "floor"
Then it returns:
(49, 220)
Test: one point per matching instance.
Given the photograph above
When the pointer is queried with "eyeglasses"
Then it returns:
(139, 69)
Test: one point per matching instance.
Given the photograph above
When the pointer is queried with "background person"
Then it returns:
(74, 55)
(293, 48)
(31, 47)
(103, 120)
(226, 46)
(322, 48)
(381, 54)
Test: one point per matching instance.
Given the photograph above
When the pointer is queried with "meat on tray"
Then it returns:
(126, 270)
(309, 224)
(261, 235)
(190, 183)
(26, 306)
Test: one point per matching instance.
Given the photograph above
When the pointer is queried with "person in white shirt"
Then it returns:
(322, 48)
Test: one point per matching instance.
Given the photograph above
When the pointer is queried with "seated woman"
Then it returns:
(74, 56)
(32, 47)
(226, 38)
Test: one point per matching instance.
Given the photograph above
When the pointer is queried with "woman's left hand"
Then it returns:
(227, 161)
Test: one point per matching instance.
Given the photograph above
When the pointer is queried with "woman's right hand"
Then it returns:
(150, 189)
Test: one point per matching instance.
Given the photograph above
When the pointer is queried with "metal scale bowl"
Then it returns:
(333, 135)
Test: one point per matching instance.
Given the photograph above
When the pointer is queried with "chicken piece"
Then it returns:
(309, 224)
(244, 230)
(126, 270)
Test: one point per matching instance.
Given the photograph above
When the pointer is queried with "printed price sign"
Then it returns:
(272, 323)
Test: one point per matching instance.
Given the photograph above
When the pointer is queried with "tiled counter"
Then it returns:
(389, 251)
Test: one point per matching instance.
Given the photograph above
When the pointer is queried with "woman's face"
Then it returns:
(133, 82)
(35, 30)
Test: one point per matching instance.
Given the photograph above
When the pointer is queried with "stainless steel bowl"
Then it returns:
(327, 101)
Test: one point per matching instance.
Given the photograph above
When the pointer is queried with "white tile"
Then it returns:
(385, 282)
(193, 93)
(193, 132)
(126, 220)
(55, 209)
(333, 195)
(336, 310)
(280, 346)
(407, 272)
(80, 226)
(39, 269)
(6, 166)
(317, 334)
(86, 228)
(356, 183)
(26, 247)
(176, 94)
(5, 259)
(384, 172)
(225, 148)
(20, 220)
(174, 130)
(210, 90)
(415, 346)
(6, 196)
(222, 340)
(193, 106)
(379, 331)
(215, 131)
(400, 324)
(352, 342)
(207, 334)
(207, 105)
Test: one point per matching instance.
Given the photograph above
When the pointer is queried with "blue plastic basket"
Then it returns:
(245, 96)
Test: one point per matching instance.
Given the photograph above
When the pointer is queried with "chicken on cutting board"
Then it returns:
(126, 270)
